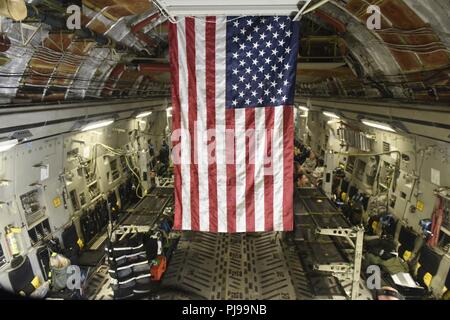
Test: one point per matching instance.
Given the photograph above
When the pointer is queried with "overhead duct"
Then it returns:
(14, 9)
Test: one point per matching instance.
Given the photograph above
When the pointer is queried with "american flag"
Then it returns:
(233, 81)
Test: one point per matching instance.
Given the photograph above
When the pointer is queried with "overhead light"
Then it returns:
(8, 144)
(331, 115)
(143, 114)
(378, 125)
(303, 108)
(97, 124)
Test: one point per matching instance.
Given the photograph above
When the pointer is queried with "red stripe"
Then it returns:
(288, 170)
(176, 124)
(230, 145)
(250, 170)
(211, 119)
(268, 172)
(192, 116)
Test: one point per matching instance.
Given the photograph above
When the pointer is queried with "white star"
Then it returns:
(280, 75)
(242, 46)
(272, 99)
(236, 24)
(275, 51)
(287, 66)
(241, 94)
(255, 62)
(273, 84)
(269, 27)
(281, 43)
(242, 63)
(235, 71)
(263, 36)
(236, 39)
(260, 100)
(249, 22)
(235, 87)
(255, 45)
(275, 35)
(267, 76)
(280, 91)
(253, 93)
(248, 70)
(288, 50)
(234, 102)
(248, 86)
(249, 37)
(256, 29)
(263, 20)
(276, 18)
(247, 102)
(262, 53)
(260, 85)
(255, 77)
(235, 55)
(268, 60)
(249, 54)
(284, 98)
(282, 25)
(288, 33)
(286, 82)
(274, 68)
(241, 79)
(268, 44)
(243, 30)
(261, 69)
(280, 59)
(266, 92)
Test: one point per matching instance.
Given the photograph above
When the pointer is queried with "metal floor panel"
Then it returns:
(237, 266)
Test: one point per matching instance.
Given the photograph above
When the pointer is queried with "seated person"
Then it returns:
(318, 171)
(304, 153)
(310, 164)
(302, 181)
(388, 293)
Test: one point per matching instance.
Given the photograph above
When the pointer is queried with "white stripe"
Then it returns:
(221, 125)
(185, 138)
(202, 148)
(241, 170)
(260, 144)
(278, 172)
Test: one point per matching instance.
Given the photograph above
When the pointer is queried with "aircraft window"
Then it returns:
(114, 170)
(360, 168)
(353, 190)
(350, 164)
(344, 186)
(392, 201)
(74, 200)
(405, 157)
(82, 199)
(2, 256)
(32, 206)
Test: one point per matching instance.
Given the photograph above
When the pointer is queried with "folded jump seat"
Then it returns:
(78, 256)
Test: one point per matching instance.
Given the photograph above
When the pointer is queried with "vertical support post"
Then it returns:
(357, 263)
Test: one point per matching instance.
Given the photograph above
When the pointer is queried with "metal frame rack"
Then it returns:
(328, 244)
(350, 270)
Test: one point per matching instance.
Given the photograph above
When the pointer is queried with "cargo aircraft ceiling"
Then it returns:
(120, 50)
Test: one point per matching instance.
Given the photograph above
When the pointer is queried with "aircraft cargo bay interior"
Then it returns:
(225, 150)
